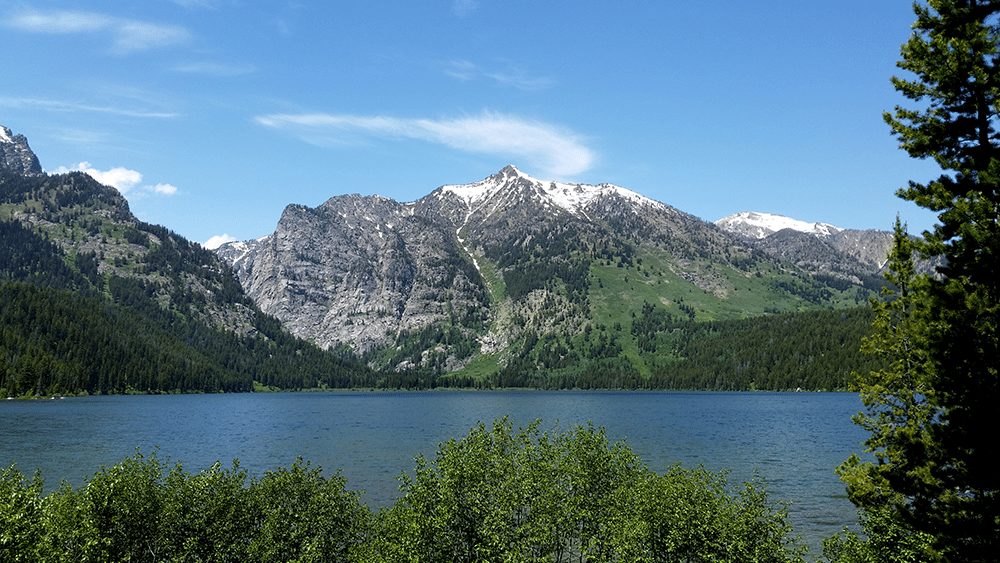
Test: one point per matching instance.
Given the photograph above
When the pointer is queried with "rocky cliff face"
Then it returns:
(359, 270)
(15, 154)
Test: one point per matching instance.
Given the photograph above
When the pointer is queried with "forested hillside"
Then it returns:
(95, 301)
(812, 350)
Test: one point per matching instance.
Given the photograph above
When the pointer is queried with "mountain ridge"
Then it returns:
(523, 265)
(759, 224)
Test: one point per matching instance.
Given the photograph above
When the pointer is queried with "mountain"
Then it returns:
(359, 270)
(842, 257)
(758, 225)
(96, 301)
(18, 157)
(508, 281)
(508, 275)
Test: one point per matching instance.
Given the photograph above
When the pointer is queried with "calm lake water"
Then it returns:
(794, 440)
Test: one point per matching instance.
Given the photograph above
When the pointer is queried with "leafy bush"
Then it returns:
(494, 495)
(497, 495)
(20, 515)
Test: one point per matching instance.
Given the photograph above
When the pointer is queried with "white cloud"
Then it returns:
(81, 136)
(462, 70)
(163, 189)
(218, 240)
(61, 105)
(125, 180)
(137, 36)
(119, 178)
(60, 22)
(555, 150)
(127, 35)
(520, 80)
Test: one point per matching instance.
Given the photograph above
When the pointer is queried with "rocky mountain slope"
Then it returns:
(360, 270)
(514, 273)
(840, 256)
(15, 154)
(72, 250)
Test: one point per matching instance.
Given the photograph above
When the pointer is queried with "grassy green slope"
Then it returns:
(619, 291)
(615, 346)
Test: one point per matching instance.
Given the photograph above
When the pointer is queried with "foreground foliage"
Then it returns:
(137, 511)
(495, 495)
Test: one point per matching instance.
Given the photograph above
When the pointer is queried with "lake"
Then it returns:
(793, 440)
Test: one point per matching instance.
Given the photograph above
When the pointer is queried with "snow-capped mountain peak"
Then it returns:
(5, 135)
(572, 197)
(758, 225)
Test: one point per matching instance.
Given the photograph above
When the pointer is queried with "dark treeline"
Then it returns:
(494, 495)
(809, 350)
(56, 341)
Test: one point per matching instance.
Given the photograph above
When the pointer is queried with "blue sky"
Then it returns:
(212, 115)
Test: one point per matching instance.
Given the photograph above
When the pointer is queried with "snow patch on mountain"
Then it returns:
(758, 225)
(570, 197)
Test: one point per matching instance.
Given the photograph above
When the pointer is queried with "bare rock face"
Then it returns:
(868, 247)
(15, 154)
(358, 270)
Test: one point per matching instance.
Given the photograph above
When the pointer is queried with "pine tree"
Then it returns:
(932, 414)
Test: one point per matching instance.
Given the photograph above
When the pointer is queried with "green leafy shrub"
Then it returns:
(303, 516)
(497, 495)
(494, 495)
(20, 516)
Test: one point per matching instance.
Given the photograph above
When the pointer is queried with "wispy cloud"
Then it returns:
(215, 69)
(553, 149)
(125, 180)
(71, 106)
(216, 241)
(467, 71)
(81, 136)
(127, 35)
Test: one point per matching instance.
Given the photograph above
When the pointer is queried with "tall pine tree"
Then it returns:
(936, 455)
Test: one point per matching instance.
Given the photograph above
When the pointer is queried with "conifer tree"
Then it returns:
(932, 414)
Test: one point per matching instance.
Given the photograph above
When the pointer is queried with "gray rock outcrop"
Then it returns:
(15, 154)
